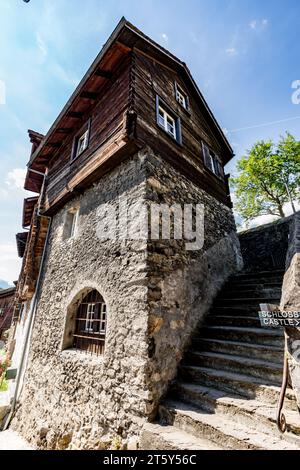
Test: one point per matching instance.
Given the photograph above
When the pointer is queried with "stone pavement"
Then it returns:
(10, 440)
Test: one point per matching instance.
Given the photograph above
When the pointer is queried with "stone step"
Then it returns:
(255, 292)
(264, 336)
(238, 364)
(246, 301)
(220, 429)
(235, 310)
(250, 412)
(278, 274)
(248, 284)
(253, 284)
(251, 350)
(234, 320)
(241, 384)
(158, 437)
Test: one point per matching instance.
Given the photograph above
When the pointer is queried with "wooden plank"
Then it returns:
(103, 73)
(75, 115)
(89, 95)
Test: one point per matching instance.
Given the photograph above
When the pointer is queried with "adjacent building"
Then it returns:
(7, 297)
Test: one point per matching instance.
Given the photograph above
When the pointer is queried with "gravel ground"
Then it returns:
(10, 440)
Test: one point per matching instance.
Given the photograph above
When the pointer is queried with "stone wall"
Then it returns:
(290, 300)
(156, 293)
(183, 284)
(69, 396)
(265, 247)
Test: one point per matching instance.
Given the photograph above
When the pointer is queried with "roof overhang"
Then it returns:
(34, 180)
(7, 292)
(124, 38)
(21, 239)
(28, 208)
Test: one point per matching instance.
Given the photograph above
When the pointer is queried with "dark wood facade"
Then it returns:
(153, 79)
(117, 100)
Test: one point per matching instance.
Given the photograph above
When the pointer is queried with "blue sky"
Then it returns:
(243, 54)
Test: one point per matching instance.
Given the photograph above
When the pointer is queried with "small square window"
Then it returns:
(81, 141)
(168, 121)
(181, 97)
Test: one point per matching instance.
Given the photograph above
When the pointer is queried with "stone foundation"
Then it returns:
(156, 293)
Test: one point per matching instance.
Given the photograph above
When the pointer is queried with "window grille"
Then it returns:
(90, 326)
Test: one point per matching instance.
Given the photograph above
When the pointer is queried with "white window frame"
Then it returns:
(81, 140)
(90, 314)
(181, 97)
(103, 314)
(82, 143)
(167, 121)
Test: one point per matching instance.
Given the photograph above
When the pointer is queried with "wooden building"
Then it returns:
(109, 319)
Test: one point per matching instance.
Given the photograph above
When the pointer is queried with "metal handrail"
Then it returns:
(280, 418)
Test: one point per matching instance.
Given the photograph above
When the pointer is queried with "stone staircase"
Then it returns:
(228, 385)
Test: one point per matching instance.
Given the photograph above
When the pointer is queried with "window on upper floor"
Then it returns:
(81, 141)
(212, 161)
(181, 97)
(1, 311)
(167, 120)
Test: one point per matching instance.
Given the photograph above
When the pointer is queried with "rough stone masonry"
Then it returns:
(156, 294)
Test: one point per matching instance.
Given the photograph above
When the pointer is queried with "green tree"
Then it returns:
(268, 177)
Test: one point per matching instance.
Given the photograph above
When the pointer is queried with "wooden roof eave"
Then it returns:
(21, 239)
(33, 181)
(28, 209)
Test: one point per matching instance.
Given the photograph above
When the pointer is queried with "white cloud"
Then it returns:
(16, 178)
(258, 24)
(4, 194)
(10, 264)
(41, 46)
(231, 51)
(63, 75)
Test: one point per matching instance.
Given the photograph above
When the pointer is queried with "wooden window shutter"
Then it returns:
(219, 168)
(206, 157)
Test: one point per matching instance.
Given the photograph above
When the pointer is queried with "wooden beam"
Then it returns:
(75, 115)
(55, 145)
(64, 130)
(122, 47)
(103, 73)
(89, 95)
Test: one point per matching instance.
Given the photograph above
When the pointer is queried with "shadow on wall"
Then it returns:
(265, 248)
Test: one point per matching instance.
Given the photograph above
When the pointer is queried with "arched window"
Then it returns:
(90, 324)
